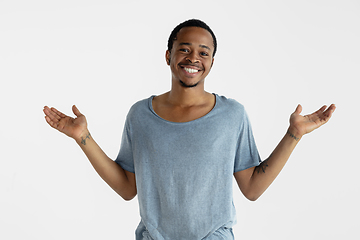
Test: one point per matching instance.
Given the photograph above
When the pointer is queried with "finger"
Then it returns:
(58, 113)
(52, 123)
(331, 108)
(76, 111)
(321, 110)
(329, 111)
(51, 114)
(298, 109)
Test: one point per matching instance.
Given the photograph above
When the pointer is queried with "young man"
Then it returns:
(180, 150)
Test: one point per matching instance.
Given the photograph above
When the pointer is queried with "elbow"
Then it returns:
(127, 196)
(253, 193)
(252, 196)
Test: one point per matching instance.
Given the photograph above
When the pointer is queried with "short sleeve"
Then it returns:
(125, 157)
(247, 155)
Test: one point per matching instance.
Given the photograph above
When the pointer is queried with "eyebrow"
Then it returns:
(189, 44)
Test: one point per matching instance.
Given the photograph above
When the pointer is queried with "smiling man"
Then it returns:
(181, 150)
(190, 44)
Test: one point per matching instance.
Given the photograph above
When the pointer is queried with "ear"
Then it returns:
(167, 57)
(212, 62)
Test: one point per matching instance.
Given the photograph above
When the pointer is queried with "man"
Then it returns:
(180, 150)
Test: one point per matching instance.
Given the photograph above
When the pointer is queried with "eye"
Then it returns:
(184, 50)
(204, 54)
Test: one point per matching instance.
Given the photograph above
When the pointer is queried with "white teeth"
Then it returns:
(190, 70)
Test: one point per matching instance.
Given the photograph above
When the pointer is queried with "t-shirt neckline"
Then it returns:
(195, 120)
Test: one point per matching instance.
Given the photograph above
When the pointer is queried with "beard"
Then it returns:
(187, 85)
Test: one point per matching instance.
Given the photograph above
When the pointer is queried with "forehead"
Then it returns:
(195, 35)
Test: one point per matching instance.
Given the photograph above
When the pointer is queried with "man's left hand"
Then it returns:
(301, 125)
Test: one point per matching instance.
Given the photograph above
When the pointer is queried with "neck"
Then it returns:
(185, 96)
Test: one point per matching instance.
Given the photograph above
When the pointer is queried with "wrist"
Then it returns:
(83, 138)
(294, 133)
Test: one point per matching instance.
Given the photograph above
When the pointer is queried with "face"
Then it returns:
(191, 58)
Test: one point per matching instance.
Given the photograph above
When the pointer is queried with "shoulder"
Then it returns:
(230, 105)
(139, 109)
(140, 105)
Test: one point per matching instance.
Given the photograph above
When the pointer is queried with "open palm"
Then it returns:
(72, 127)
(308, 123)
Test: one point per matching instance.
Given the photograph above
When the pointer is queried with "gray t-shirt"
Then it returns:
(184, 171)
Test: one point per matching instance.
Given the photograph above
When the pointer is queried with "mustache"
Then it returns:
(198, 66)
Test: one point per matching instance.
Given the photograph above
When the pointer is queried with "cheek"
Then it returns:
(208, 66)
(172, 66)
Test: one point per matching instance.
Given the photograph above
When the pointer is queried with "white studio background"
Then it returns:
(105, 55)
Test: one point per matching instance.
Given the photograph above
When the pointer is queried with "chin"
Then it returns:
(188, 85)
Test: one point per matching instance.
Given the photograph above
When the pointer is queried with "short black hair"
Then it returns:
(191, 23)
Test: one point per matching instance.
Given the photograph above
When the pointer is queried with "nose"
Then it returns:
(192, 57)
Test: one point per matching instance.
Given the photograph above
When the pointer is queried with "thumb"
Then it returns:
(76, 111)
(298, 109)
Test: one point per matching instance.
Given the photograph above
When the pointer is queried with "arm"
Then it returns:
(254, 181)
(122, 181)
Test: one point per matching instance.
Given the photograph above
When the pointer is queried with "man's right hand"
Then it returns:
(122, 181)
(72, 127)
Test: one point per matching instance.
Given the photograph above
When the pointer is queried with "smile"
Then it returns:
(191, 70)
